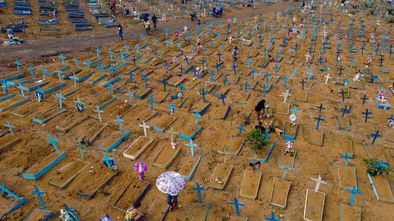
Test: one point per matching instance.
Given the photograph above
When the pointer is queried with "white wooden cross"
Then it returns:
(327, 78)
(145, 126)
(318, 182)
(307, 56)
(285, 96)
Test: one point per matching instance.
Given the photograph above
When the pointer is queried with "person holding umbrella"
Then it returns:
(171, 183)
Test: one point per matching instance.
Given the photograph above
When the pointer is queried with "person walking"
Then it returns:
(120, 31)
(172, 201)
(154, 20)
(133, 213)
(147, 26)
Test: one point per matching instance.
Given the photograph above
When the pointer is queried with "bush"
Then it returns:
(376, 167)
(257, 139)
(390, 20)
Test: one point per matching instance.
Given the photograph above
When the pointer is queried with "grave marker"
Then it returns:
(236, 205)
(144, 126)
(191, 145)
(318, 119)
(318, 182)
(375, 136)
(60, 97)
(37, 192)
(119, 121)
(18, 65)
(347, 156)
(53, 142)
(99, 111)
(199, 188)
(366, 113)
(10, 127)
(353, 191)
(272, 217)
(151, 102)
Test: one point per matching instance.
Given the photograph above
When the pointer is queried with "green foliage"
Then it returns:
(257, 139)
(373, 167)
(390, 20)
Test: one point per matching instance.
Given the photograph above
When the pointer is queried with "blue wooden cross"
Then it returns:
(137, 48)
(181, 69)
(146, 79)
(75, 59)
(212, 76)
(303, 84)
(353, 191)
(381, 60)
(111, 54)
(4, 85)
(347, 156)
(219, 55)
(366, 113)
(375, 136)
(60, 97)
(197, 115)
(18, 65)
(109, 88)
(10, 127)
(31, 69)
(221, 97)
(345, 110)
(318, 119)
(37, 192)
(234, 68)
(241, 128)
(108, 161)
(246, 86)
(199, 188)
(225, 81)
(155, 41)
(271, 218)
(126, 48)
(151, 102)
(53, 141)
(267, 75)
(130, 96)
(164, 82)
(191, 145)
(172, 108)
(21, 89)
(284, 78)
(119, 121)
(98, 52)
(121, 55)
(342, 93)
(364, 98)
(237, 205)
(264, 89)
(61, 57)
(186, 59)
(203, 93)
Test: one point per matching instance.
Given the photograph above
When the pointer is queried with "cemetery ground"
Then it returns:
(123, 97)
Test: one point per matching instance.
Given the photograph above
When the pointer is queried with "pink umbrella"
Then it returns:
(170, 182)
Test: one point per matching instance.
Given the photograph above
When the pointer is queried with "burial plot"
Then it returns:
(47, 115)
(34, 85)
(187, 166)
(136, 148)
(250, 184)
(186, 129)
(301, 96)
(8, 141)
(264, 154)
(347, 176)
(179, 101)
(39, 214)
(141, 93)
(89, 128)
(175, 81)
(282, 109)
(93, 179)
(51, 87)
(118, 107)
(113, 140)
(165, 156)
(316, 137)
(381, 188)
(67, 173)
(12, 102)
(132, 193)
(43, 166)
(163, 122)
(28, 108)
(280, 192)
(9, 202)
(314, 205)
(232, 146)
(194, 211)
(221, 112)
(220, 176)
(144, 115)
(289, 130)
(160, 96)
(70, 121)
(96, 77)
(349, 213)
(346, 146)
(287, 159)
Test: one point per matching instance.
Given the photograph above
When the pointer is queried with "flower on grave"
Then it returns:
(173, 145)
